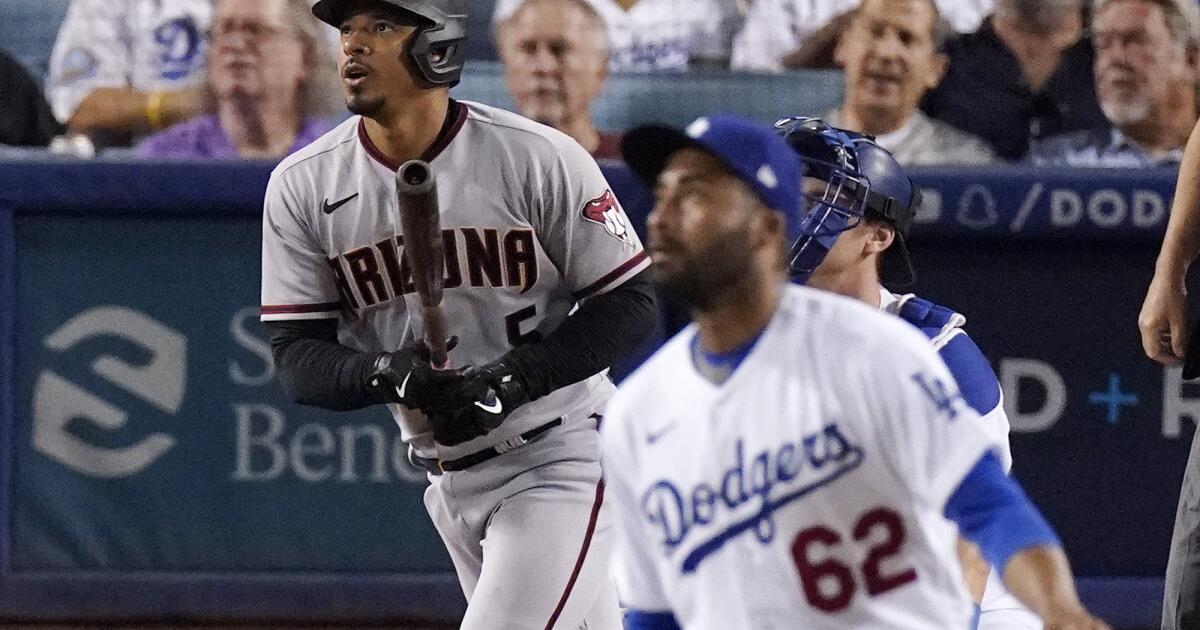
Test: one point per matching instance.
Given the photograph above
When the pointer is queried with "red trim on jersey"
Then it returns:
(456, 117)
(292, 309)
(587, 542)
(613, 275)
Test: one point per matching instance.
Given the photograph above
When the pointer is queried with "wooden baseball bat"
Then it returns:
(420, 219)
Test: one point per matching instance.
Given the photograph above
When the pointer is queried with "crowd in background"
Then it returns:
(1107, 83)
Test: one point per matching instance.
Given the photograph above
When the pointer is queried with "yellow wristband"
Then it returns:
(154, 106)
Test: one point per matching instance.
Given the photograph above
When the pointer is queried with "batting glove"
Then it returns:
(478, 403)
(407, 378)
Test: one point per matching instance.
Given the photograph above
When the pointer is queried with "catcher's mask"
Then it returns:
(437, 50)
(848, 176)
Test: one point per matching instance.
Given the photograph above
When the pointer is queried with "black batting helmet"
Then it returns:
(438, 48)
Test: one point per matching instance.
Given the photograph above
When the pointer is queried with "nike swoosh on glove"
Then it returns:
(407, 378)
(478, 403)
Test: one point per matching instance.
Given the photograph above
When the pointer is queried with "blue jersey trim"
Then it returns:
(974, 375)
(992, 511)
(646, 620)
(972, 371)
(727, 360)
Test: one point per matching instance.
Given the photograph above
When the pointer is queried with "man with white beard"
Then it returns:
(1146, 81)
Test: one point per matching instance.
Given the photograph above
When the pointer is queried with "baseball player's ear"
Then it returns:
(879, 238)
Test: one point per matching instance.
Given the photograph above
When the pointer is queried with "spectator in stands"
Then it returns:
(555, 55)
(120, 69)
(890, 58)
(1146, 78)
(269, 80)
(1025, 74)
(788, 34)
(25, 117)
(661, 35)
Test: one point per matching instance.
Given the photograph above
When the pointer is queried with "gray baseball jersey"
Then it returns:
(529, 224)
(530, 228)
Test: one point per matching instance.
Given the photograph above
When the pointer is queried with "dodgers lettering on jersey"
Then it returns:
(658, 35)
(142, 44)
(529, 227)
(807, 489)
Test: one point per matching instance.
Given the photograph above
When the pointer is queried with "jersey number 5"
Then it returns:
(512, 325)
(828, 584)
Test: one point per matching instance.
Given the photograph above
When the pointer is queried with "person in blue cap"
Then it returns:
(795, 459)
(861, 205)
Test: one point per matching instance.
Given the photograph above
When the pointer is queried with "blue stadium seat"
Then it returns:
(28, 29)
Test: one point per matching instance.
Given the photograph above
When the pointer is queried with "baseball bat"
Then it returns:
(420, 219)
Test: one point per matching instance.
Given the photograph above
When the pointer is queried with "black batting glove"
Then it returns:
(406, 377)
(478, 403)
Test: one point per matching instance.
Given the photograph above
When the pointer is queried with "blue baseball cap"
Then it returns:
(753, 151)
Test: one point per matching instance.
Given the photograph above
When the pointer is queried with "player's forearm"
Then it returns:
(318, 371)
(603, 330)
(1041, 578)
(129, 110)
(1182, 241)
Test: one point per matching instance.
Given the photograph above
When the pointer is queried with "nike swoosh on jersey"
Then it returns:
(328, 208)
(404, 384)
(493, 408)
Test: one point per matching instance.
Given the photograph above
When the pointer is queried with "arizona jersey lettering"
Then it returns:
(525, 236)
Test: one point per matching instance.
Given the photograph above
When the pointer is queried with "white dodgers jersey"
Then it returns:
(660, 35)
(140, 44)
(807, 490)
(529, 226)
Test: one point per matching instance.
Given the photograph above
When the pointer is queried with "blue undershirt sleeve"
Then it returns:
(992, 511)
(646, 620)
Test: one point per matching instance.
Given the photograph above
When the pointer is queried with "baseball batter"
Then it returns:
(846, 243)
(544, 286)
(795, 458)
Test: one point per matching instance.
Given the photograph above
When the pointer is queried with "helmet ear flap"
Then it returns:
(439, 52)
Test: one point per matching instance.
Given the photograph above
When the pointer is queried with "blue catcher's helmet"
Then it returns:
(848, 176)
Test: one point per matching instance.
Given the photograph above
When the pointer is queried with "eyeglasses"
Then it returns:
(252, 30)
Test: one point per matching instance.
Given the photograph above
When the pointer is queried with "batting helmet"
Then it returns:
(848, 176)
(437, 49)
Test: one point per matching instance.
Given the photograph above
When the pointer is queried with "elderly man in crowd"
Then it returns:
(890, 58)
(555, 56)
(1146, 79)
(1025, 74)
(269, 79)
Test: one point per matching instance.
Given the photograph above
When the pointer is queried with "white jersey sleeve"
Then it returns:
(929, 435)
(775, 28)
(298, 281)
(92, 51)
(582, 226)
(712, 40)
(639, 583)
(139, 44)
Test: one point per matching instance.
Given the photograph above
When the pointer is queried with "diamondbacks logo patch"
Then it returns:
(604, 210)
